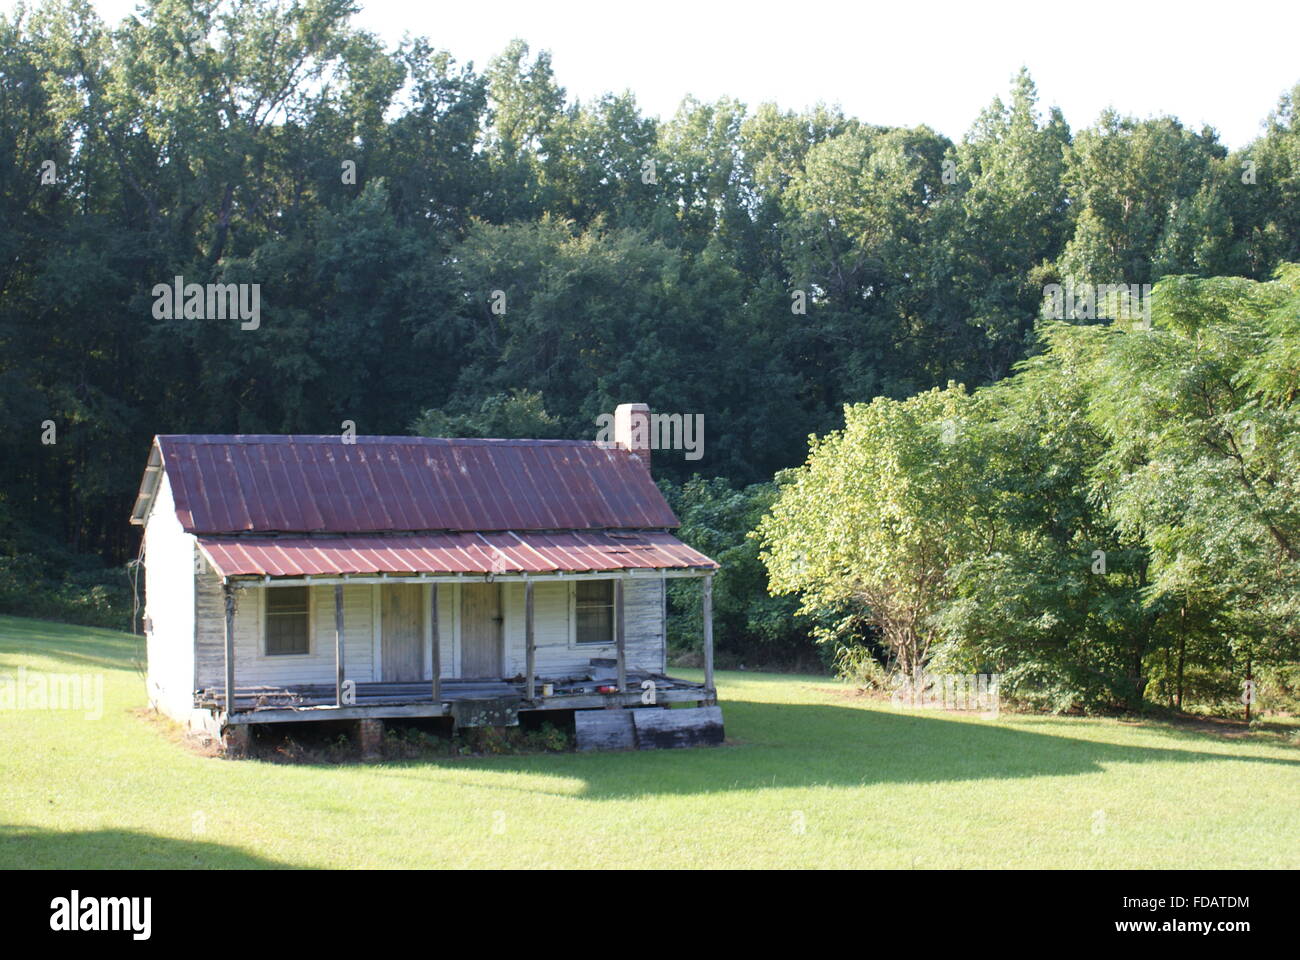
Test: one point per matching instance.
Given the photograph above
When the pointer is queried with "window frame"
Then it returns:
(263, 650)
(573, 615)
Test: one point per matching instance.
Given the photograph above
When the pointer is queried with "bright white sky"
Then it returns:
(935, 62)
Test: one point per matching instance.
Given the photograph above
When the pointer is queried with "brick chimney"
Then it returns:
(632, 429)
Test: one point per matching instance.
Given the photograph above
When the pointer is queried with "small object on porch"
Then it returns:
(604, 669)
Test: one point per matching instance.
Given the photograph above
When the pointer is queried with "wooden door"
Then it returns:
(480, 630)
(402, 631)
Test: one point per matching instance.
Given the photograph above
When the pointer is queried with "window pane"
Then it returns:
(286, 621)
(594, 614)
(595, 591)
(595, 626)
(286, 600)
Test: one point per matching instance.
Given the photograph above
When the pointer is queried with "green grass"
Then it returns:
(869, 785)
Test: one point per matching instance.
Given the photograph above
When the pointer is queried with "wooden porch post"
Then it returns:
(620, 635)
(338, 644)
(530, 646)
(230, 648)
(437, 645)
(706, 608)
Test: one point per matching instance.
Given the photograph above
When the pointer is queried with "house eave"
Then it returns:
(144, 498)
(324, 580)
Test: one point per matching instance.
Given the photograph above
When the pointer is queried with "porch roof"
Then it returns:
(501, 553)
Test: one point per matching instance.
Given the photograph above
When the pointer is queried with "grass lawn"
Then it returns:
(813, 778)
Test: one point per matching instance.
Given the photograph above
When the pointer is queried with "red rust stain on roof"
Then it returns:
(501, 553)
(319, 484)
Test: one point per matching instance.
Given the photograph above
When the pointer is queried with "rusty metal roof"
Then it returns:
(470, 553)
(320, 484)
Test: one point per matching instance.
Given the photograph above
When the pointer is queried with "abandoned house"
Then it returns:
(296, 578)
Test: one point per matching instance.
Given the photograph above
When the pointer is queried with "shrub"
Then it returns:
(89, 594)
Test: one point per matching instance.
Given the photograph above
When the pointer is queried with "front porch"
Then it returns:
(465, 700)
(527, 684)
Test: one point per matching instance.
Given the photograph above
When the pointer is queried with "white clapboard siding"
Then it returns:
(358, 631)
(448, 631)
(169, 606)
(253, 667)
(643, 615)
(557, 655)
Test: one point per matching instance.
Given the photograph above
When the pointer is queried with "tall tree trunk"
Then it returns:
(1182, 654)
(1139, 682)
(1165, 686)
(1250, 686)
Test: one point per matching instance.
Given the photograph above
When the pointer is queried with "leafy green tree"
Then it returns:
(594, 157)
(1128, 180)
(751, 625)
(877, 517)
(1265, 184)
(1053, 599)
(778, 265)
(520, 414)
(993, 236)
(524, 103)
(1201, 417)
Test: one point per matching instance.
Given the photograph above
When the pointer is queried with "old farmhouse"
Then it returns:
(293, 578)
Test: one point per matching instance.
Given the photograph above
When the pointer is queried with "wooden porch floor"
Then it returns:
(388, 693)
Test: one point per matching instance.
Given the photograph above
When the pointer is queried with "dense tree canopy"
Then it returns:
(1122, 508)
(440, 248)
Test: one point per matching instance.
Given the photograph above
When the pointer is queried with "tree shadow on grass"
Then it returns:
(77, 646)
(778, 746)
(40, 849)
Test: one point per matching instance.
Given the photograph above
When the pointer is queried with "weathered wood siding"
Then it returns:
(448, 631)
(169, 556)
(253, 666)
(557, 656)
(666, 729)
(403, 609)
(604, 729)
(481, 630)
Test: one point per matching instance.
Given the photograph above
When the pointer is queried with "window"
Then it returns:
(594, 611)
(286, 621)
